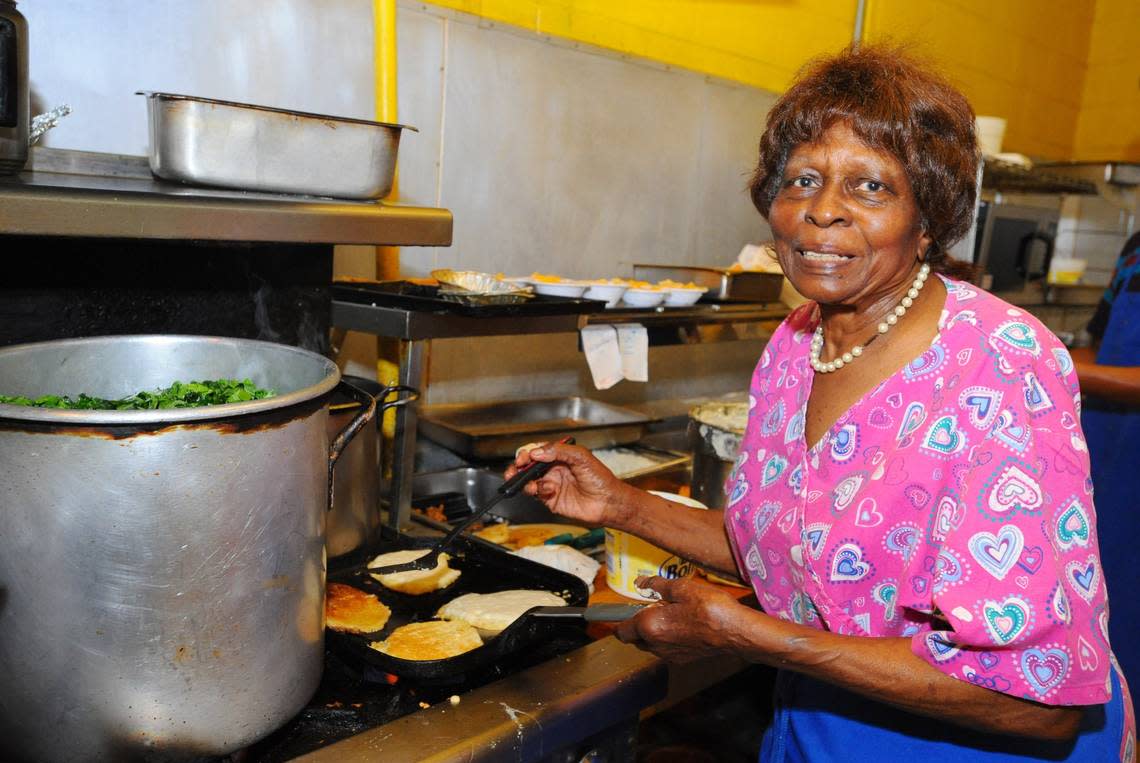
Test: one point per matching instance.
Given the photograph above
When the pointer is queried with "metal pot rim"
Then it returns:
(160, 416)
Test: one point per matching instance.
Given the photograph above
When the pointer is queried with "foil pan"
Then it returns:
(480, 288)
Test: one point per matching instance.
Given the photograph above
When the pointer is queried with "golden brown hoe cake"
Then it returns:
(491, 613)
(414, 582)
(351, 610)
(429, 640)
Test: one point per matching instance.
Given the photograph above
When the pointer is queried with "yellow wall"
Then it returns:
(1023, 60)
(757, 42)
(1063, 73)
(1109, 127)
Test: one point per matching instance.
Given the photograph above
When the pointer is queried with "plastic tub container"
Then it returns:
(1066, 270)
(990, 131)
(629, 557)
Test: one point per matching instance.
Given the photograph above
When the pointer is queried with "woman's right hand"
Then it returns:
(578, 487)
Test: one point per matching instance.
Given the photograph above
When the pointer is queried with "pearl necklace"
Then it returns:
(885, 326)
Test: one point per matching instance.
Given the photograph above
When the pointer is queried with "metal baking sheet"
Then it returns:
(203, 141)
(495, 430)
(723, 285)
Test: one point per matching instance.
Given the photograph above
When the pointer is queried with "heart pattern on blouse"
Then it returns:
(982, 406)
(1086, 654)
(1073, 526)
(902, 540)
(1015, 436)
(844, 493)
(773, 469)
(1020, 336)
(1015, 490)
(912, 419)
(997, 553)
(1044, 669)
(815, 536)
(940, 647)
(1084, 577)
(943, 437)
(847, 563)
(868, 514)
(1036, 399)
(1006, 620)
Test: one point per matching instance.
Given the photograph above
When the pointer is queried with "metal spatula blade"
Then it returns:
(508, 489)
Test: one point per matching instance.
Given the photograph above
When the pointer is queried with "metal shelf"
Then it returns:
(665, 326)
(1013, 178)
(703, 322)
(79, 194)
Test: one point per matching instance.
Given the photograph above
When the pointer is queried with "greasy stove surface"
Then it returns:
(351, 700)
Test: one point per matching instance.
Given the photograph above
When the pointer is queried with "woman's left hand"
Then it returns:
(693, 620)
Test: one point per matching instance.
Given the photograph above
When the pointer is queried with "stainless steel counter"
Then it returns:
(80, 194)
(531, 715)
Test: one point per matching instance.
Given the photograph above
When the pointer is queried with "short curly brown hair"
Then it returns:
(893, 104)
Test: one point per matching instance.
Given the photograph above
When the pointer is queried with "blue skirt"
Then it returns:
(816, 722)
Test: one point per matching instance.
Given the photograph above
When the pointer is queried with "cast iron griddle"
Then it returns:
(486, 569)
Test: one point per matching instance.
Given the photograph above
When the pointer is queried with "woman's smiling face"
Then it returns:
(847, 227)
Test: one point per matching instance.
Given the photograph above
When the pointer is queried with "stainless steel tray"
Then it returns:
(204, 141)
(495, 430)
(723, 285)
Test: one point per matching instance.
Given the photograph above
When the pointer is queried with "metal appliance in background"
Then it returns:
(1014, 243)
(715, 431)
(354, 519)
(205, 141)
(15, 100)
(162, 571)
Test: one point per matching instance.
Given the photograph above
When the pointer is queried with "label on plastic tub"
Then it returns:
(629, 557)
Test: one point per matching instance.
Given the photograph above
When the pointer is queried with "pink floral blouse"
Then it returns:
(951, 504)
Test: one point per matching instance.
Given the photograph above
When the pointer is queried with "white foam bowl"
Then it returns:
(638, 297)
(679, 297)
(610, 293)
(562, 289)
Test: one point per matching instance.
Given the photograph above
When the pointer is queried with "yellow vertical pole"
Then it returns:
(387, 257)
(384, 24)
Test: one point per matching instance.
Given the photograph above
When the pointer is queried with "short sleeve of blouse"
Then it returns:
(1010, 561)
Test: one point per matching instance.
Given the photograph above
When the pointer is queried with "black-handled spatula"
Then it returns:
(508, 489)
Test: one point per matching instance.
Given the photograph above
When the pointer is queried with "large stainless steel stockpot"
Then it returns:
(714, 433)
(161, 572)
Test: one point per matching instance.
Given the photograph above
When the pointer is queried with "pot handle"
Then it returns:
(413, 394)
(366, 413)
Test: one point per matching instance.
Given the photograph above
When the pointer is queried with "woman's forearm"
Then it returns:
(886, 670)
(694, 534)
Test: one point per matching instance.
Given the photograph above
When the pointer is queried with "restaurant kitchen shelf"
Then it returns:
(703, 322)
(1013, 178)
(682, 325)
(75, 193)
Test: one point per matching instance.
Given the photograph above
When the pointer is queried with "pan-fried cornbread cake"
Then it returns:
(491, 613)
(351, 610)
(429, 640)
(414, 582)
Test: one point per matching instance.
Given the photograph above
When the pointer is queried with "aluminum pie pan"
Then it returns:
(206, 141)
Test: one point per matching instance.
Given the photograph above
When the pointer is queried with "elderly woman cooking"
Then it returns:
(912, 502)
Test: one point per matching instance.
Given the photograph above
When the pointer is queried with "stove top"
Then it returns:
(351, 700)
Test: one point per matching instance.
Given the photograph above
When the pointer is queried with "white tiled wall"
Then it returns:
(574, 161)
